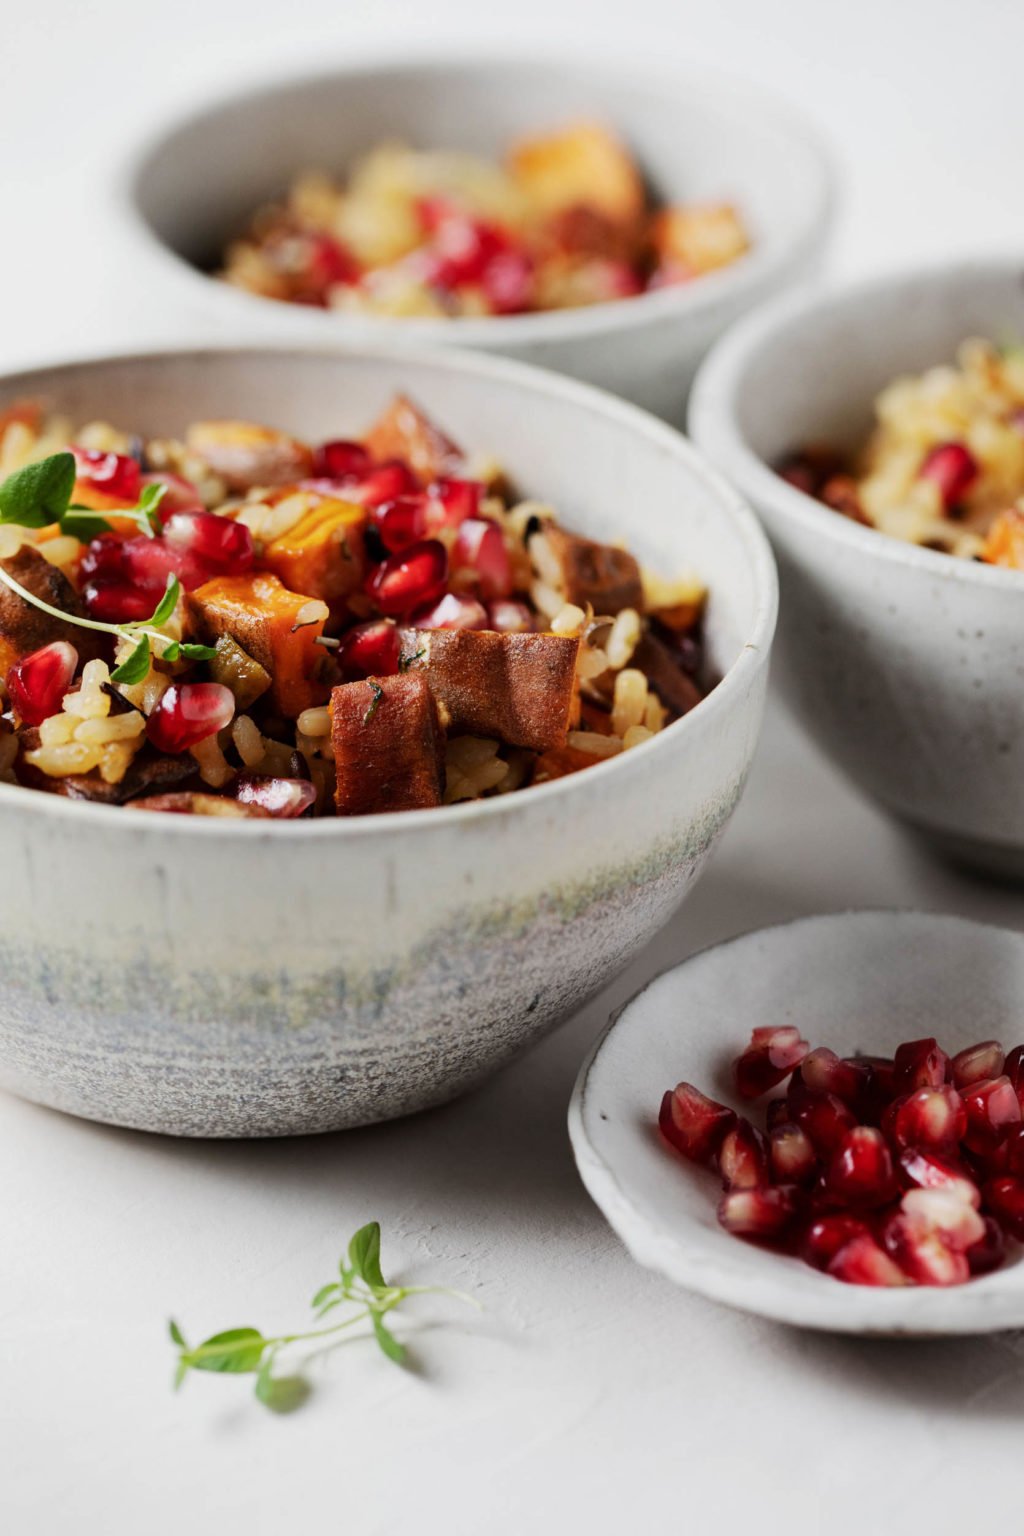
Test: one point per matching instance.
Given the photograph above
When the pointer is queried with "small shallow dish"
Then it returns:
(228, 978)
(197, 182)
(904, 663)
(855, 981)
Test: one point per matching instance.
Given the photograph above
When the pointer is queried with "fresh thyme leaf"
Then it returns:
(83, 524)
(387, 1341)
(378, 694)
(167, 604)
(364, 1255)
(198, 652)
(324, 1294)
(39, 494)
(405, 662)
(135, 667)
(237, 1351)
(177, 1337)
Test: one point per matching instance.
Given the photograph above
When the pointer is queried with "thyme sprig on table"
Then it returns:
(360, 1288)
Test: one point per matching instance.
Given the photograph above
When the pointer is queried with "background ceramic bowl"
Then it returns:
(223, 978)
(906, 665)
(198, 182)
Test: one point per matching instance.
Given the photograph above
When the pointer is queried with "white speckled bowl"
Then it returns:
(697, 137)
(906, 665)
(851, 980)
(214, 978)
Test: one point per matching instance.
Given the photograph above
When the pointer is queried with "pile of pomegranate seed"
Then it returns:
(906, 1170)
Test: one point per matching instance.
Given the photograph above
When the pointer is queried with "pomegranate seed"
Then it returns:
(480, 547)
(188, 713)
(180, 495)
(826, 1120)
(452, 502)
(369, 650)
(930, 1234)
(695, 1125)
(341, 460)
(509, 616)
(116, 602)
(862, 1262)
(219, 543)
(763, 1215)
(977, 1063)
(743, 1157)
(932, 1118)
(327, 263)
(881, 1089)
(823, 1072)
(824, 1238)
(508, 282)
(768, 1059)
(992, 1107)
(1011, 1153)
(36, 684)
(385, 482)
(452, 611)
(1004, 1199)
(989, 1251)
(115, 474)
(920, 1064)
(926, 1170)
(412, 576)
(286, 798)
(1013, 1068)
(792, 1154)
(401, 522)
(861, 1171)
(953, 468)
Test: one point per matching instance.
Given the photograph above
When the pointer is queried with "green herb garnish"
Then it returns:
(361, 1286)
(378, 694)
(40, 494)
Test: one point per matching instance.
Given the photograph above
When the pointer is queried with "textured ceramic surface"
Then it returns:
(698, 137)
(223, 978)
(905, 664)
(856, 981)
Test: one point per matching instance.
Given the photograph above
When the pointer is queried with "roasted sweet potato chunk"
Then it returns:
(404, 432)
(581, 166)
(245, 454)
(584, 571)
(675, 688)
(25, 628)
(322, 554)
(388, 745)
(520, 688)
(1005, 542)
(699, 239)
(261, 616)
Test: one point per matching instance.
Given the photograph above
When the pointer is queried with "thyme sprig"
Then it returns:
(360, 1287)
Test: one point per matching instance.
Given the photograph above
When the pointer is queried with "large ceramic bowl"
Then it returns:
(216, 978)
(905, 664)
(697, 137)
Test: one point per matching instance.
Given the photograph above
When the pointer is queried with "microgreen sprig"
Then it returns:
(360, 1287)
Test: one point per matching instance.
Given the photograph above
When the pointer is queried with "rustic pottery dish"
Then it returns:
(905, 664)
(209, 977)
(696, 137)
(864, 981)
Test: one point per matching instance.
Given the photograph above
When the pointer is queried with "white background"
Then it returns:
(590, 1395)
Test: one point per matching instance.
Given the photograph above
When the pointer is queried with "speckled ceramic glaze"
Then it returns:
(214, 978)
(698, 138)
(855, 981)
(905, 664)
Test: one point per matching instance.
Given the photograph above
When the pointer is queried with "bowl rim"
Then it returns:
(659, 435)
(712, 417)
(756, 271)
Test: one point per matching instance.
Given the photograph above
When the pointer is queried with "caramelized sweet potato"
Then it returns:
(599, 574)
(404, 432)
(25, 628)
(675, 688)
(519, 688)
(1005, 542)
(323, 554)
(698, 239)
(260, 615)
(583, 165)
(388, 745)
(245, 454)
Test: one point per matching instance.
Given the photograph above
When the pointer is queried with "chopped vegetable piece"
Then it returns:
(388, 745)
(322, 554)
(405, 432)
(244, 454)
(259, 614)
(602, 575)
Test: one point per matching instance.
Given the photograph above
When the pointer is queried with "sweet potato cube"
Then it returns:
(245, 454)
(519, 688)
(581, 166)
(699, 239)
(675, 688)
(388, 745)
(24, 628)
(1005, 542)
(584, 571)
(267, 621)
(322, 555)
(404, 432)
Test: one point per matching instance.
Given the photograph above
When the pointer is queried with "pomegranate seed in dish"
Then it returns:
(281, 797)
(219, 545)
(953, 468)
(480, 547)
(453, 611)
(341, 461)
(412, 576)
(452, 502)
(188, 713)
(370, 650)
(928, 1196)
(401, 522)
(114, 474)
(36, 685)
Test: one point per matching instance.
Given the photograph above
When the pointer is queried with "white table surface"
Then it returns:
(589, 1395)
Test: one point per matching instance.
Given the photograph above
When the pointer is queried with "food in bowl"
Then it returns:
(944, 464)
(881, 1171)
(564, 221)
(243, 624)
